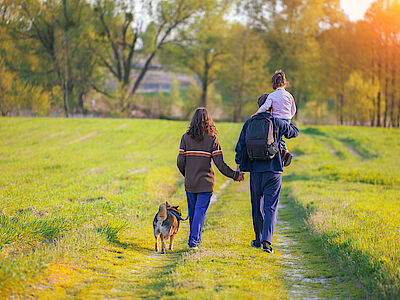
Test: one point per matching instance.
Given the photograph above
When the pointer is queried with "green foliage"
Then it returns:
(203, 46)
(191, 101)
(16, 94)
(360, 94)
(104, 49)
(243, 70)
(174, 99)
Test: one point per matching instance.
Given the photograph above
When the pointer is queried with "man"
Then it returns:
(265, 179)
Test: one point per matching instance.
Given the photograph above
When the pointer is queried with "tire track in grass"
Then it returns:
(308, 271)
(353, 151)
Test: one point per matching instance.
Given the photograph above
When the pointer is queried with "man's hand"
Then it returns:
(238, 168)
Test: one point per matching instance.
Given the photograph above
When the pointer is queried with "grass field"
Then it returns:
(77, 198)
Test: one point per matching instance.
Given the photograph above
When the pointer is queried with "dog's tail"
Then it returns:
(162, 213)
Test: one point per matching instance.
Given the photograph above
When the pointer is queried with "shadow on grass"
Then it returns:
(303, 177)
(370, 274)
(159, 281)
(313, 131)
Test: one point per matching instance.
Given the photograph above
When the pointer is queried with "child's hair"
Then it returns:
(278, 80)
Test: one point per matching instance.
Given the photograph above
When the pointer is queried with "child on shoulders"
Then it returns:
(283, 107)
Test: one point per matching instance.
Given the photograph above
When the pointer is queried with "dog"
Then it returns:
(166, 225)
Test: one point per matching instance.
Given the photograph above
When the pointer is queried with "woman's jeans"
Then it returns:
(198, 204)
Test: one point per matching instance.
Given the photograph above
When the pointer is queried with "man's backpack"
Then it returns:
(260, 142)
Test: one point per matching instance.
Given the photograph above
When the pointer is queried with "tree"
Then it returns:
(6, 100)
(16, 94)
(290, 29)
(175, 100)
(243, 73)
(336, 48)
(122, 38)
(359, 108)
(53, 32)
(202, 45)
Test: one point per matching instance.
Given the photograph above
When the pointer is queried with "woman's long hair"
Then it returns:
(201, 124)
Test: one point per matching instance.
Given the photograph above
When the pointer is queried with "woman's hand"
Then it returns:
(241, 177)
(241, 174)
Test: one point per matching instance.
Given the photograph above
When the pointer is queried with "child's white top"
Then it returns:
(282, 102)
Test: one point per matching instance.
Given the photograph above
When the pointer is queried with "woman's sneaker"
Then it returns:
(267, 247)
(255, 244)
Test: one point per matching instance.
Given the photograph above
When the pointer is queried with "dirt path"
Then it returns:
(225, 266)
(309, 273)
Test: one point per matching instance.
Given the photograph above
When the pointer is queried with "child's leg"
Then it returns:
(285, 154)
(283, 143)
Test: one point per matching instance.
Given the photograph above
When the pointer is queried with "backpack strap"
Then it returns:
(271, 139)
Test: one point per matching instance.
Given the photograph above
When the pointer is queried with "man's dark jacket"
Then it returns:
(272, 165)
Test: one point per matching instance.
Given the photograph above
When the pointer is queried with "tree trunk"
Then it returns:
(80, 101)
(203, 100)
(337, 110)
(66, 105)
(142, 73)
(341, 108)
(378, 99)
(393, 100)
(237, 110)
(373, 112)
(378, 110)
(373, 98)
(138, 81)
(385, 114)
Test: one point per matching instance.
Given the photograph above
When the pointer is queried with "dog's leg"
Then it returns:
(156, 244)
(171, 242)
(162, 244)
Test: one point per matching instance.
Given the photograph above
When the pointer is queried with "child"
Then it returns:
(283, 107)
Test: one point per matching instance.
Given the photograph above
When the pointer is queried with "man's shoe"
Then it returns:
(255, 244)
(267, 247)
(193, 247)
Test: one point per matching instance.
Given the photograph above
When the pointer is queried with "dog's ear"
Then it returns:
(167, 204)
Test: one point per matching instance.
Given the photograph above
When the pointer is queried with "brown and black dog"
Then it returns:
(166, 225)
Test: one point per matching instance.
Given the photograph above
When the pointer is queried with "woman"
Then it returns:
(198, 146)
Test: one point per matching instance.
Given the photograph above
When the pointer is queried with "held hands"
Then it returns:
(241, 177)
(241, 174)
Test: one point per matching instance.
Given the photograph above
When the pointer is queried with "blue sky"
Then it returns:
(355, 9)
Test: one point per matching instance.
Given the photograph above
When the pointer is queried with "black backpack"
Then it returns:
(260, 142)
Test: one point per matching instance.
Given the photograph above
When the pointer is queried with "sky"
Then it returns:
(355, 9)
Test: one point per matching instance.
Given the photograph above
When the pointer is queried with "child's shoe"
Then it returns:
(286, 157)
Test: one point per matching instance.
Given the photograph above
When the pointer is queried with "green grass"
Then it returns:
(348, 179)
(77, 199)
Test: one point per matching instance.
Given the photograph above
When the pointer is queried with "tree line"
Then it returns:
(55, 53)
